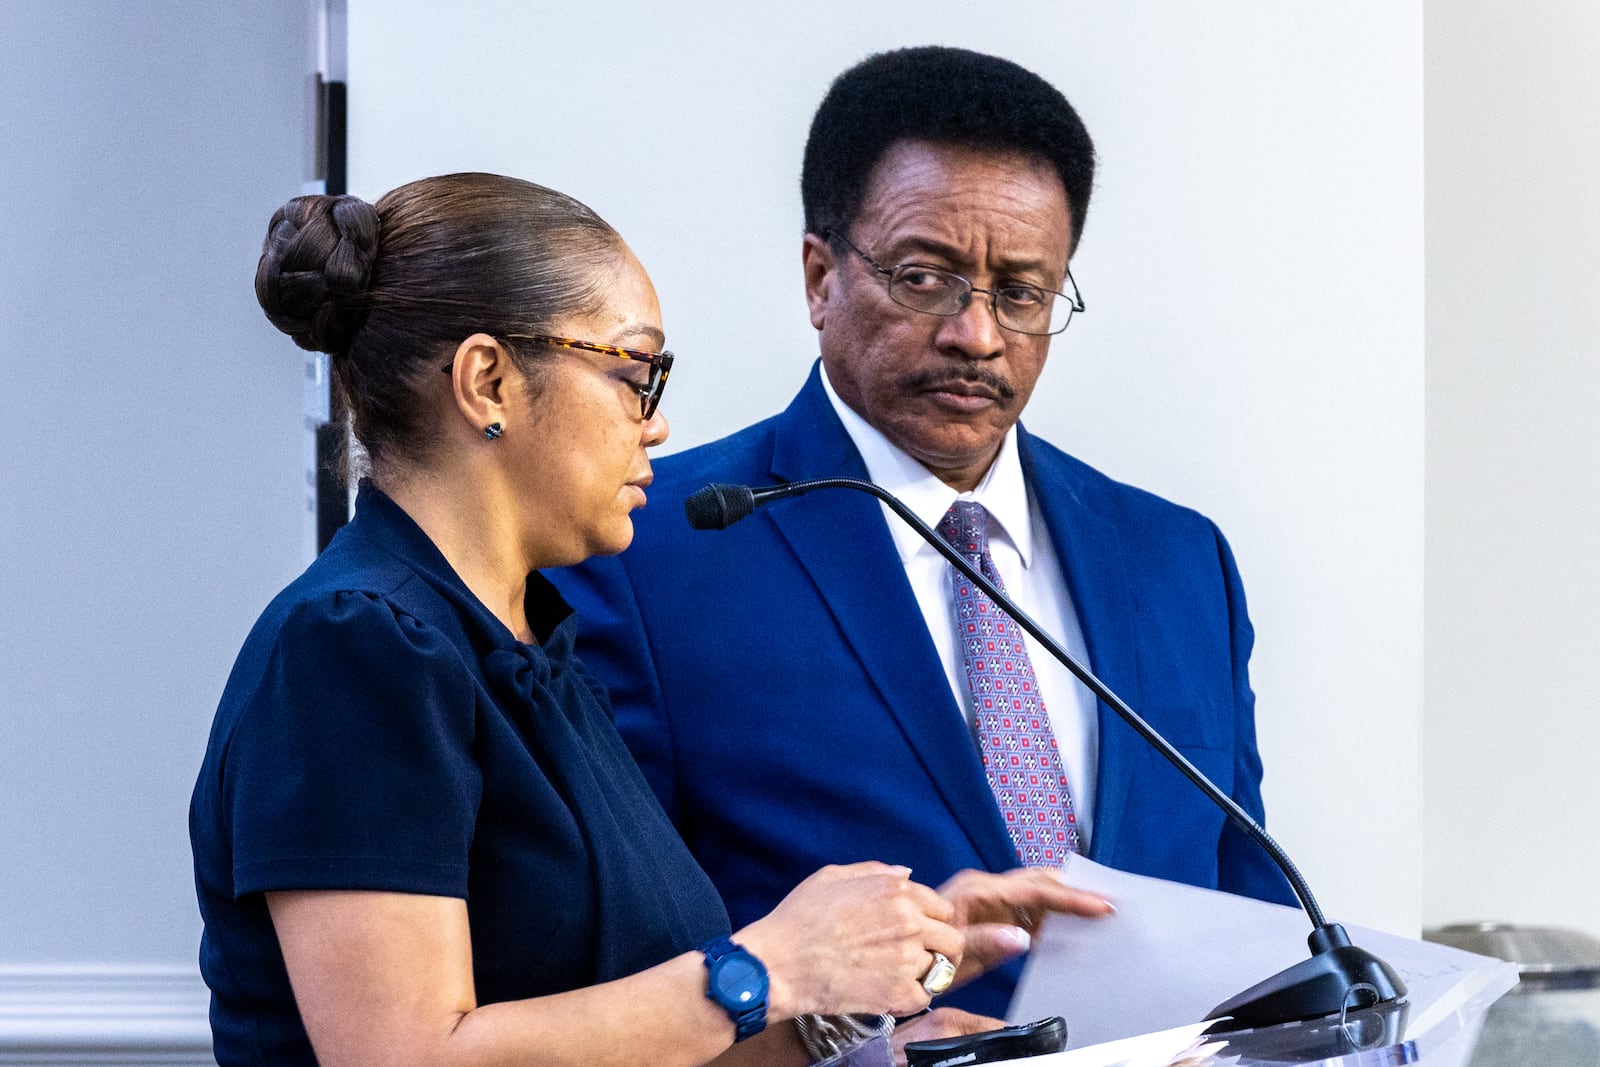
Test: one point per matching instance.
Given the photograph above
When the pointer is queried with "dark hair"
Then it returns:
(389, 290)
(947, 96)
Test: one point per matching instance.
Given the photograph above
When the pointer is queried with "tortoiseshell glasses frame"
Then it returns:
(649, 393)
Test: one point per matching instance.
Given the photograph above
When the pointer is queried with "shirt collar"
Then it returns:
(1003, 492)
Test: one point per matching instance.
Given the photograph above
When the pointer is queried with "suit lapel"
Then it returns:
(841, 541)
(1097, 579)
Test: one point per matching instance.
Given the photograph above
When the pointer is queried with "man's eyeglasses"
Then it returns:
(649, 391)
(1028, 309)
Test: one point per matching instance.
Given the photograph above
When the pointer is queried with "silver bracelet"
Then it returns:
(825, 1036)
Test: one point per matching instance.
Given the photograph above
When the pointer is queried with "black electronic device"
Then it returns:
(1010, 1043)
(1338, 978)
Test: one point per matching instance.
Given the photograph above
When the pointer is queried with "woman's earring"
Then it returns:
(493, 431)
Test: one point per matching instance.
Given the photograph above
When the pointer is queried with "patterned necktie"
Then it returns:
(1020, 755)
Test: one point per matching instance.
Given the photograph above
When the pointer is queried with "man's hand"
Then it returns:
(999, 913)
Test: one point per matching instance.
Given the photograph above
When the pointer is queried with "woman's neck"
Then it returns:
(480, 543)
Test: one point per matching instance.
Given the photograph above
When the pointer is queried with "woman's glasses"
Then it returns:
(649, 391)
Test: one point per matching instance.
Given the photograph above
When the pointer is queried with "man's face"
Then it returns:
(945, 389)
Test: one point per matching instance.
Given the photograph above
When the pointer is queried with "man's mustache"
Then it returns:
(930, 381)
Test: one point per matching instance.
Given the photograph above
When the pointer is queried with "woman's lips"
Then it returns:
(638, 485)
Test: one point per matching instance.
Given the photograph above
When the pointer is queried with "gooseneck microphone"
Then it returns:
(1338, 977)
(719, 506)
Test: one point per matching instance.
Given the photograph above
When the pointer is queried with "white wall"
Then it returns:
(1252, 266)
(1253, 269)
(1513, 534)
(149, 434)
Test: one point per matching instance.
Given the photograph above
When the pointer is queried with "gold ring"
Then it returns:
(939, 976)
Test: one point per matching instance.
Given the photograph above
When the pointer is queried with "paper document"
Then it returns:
(1162, 1049)
(1173, 952)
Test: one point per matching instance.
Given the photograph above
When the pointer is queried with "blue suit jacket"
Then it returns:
(779, 688)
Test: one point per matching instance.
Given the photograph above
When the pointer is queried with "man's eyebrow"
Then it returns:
(912, 246)
(907, 249)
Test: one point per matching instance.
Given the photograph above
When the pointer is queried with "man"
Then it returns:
(810, 686)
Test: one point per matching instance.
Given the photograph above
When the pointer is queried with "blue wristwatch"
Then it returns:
(737, 983)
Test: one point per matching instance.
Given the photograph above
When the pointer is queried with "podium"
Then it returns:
(1135, 988)
(1376, 1037)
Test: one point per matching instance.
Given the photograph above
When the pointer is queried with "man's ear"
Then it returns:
(480, 377)
(816, 256)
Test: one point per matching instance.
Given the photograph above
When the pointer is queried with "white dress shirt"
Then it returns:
(1029, 570)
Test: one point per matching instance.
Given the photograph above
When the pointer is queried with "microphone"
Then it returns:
(717, 507)
(1339, 977)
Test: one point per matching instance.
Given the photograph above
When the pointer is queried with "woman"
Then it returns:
(417, 836)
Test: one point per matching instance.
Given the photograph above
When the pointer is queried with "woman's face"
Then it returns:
(582, 461)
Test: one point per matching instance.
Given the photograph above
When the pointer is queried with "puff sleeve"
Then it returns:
(351, 764)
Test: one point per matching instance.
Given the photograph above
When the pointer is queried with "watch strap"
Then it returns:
(747, 1021)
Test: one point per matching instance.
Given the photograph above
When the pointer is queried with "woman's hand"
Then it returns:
(856, 938)
(937, 1024)
(998, 913)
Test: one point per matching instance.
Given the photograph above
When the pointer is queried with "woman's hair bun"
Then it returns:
(315, 262)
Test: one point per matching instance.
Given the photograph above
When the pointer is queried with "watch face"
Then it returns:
(738, 979)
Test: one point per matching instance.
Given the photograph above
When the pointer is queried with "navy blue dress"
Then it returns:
(381, 730)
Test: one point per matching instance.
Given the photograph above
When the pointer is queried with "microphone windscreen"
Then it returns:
(716, 507)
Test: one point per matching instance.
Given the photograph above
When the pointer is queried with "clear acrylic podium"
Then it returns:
(1136, 987)
(1376, 1037)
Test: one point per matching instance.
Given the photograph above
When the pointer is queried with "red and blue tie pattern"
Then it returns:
(1019, 751)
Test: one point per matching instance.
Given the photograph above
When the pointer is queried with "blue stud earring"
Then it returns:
(493, 431)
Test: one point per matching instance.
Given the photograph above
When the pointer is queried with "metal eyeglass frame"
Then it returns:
(1075, 301)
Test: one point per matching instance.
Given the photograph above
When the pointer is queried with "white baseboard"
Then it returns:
(103, 1015)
